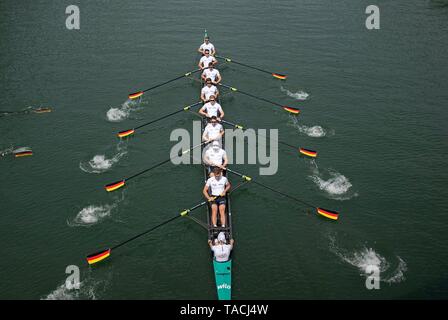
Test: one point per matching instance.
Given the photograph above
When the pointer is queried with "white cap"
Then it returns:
(221, 236)
(215, 143)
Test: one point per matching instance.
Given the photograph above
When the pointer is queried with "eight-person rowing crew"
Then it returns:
(214, 157)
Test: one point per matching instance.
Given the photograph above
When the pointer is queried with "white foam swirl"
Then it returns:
(299, 95)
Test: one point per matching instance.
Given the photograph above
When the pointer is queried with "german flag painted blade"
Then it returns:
(328, 213)
(125, 133)
(291, 110)
(308, 152)
(114, 185)
(42, 110)
(98, 256)
(279, 76)
(23, 154)
(135, 95)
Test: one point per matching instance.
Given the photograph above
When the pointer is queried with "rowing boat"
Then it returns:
(222, 270)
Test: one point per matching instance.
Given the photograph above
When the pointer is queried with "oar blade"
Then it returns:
(135, 95)
(291, 110)
(98, 256)
(114, 185)
(23, 154)
(42, 110)
(333, 215)
(125, 133)
(308, 152)
(279, 76)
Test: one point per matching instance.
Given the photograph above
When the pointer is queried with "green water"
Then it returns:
(381, 97)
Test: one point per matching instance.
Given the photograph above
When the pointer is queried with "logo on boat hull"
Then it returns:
(224, 286)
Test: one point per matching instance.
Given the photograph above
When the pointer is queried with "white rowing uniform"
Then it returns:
(208, 46)
(212, 132)
(212, 109)
(205, 61)
(217, 186)
(222, 252)
(208, 91)
(212, 74)
(216, 157)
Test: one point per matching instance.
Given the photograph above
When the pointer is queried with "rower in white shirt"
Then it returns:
(212, 108)
(209, 90)
(213, 131)
(206, 60)
(215, 191)
(215, 157)
(207, 45)
(211, 73)
(221, 247)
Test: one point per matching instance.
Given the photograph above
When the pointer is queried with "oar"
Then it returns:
(128, 132)
(306, 152)
(118, 184)
(103, 254)
(286, 108)
(274, 74)
(137, 94)
(333, 215)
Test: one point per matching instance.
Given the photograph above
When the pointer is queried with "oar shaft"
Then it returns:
(157, 226)
(169, 81)
(145, 232)
(251, 95)
(242, 128)
(274, 190)
(162, 163)
(161, 118)
(242, 64)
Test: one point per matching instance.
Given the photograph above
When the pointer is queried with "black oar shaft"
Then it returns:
(243, 64)
(157, 226)
(146, 170)
(242, 128)
(274, 190)
(251, 95)
(168, 115)
(163, 162)
(169, 81)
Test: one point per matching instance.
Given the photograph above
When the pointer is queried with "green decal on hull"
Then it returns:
(223, 277)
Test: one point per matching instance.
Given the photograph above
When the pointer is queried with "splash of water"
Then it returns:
(299, 95)
(117, 114)
(337, 186)
(88, 290)
(92, 214)
(365, 257)
(99, 163)
(313, 132)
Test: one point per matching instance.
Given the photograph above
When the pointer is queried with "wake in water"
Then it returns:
(335, 185)
(117, 114)
(26, 111)
(100, 163)
(299, 95)
(89, 289)
(94, 214)
(313, 132)
(365, 257)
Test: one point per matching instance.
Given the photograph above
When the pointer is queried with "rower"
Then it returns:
(215, 191)
(215, 157)
(213, 131)
(212, 108)
(211, 73)
(206, 60)
(208, 90)
(221, 250)
(207, 45)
